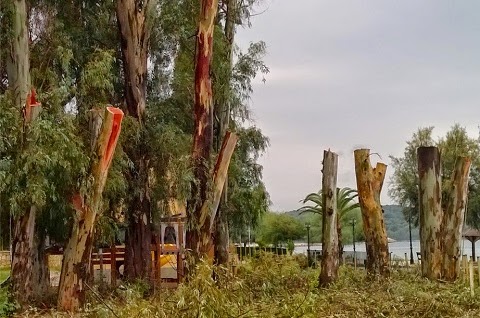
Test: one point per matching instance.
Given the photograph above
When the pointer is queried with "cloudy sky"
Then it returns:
(351, 74)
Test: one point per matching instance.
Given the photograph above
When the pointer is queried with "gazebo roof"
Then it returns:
(471, 234)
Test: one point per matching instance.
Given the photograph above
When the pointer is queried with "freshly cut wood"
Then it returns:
(452, 224)
(369, 185)
(431, 214)
(76, 259)
(198, 235)
(330, 255)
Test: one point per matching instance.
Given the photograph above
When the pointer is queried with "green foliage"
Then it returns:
(347, 208)
(404, 181)
(278, 228)
(271, 286)
(7, 306)
(40, 164)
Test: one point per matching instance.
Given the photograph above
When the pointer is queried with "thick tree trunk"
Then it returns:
(138, 259)
(453, 217)
(30, 277)
(431, 214)
(330, 253)
(134, 24)
(76, 257)
(222, 235)
(369, 185)
(209, 209)
(199, 238)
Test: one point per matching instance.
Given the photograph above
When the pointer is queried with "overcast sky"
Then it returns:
(359, 74)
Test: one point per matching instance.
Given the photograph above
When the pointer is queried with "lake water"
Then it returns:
(397, 249)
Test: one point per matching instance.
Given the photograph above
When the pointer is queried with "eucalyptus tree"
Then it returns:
(404, 182)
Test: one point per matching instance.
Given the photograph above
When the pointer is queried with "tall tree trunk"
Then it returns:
(330, 253)
(431, 214)
(199, 237)
(30, 276)
(369, 185)
(76, 257)
(452, 224)
(222, 235)
(134, 24)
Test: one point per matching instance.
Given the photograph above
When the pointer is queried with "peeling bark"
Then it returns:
(132, 17)
(330, 254)
(76, 259)
(431, 214)
(222, 236)
(209, 209)
(29, 270)
(198, 235)
(369, 185)
(134, 24)
(453, 217)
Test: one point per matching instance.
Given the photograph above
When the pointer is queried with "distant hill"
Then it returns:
(397, 226)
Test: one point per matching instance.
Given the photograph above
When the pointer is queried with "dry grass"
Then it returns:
(278, 287)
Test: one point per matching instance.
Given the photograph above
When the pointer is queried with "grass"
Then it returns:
(4, 273)
(279, 287)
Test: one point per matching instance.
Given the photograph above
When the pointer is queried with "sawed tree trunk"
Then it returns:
(369, 185)
(199, 238)
(441, 230)
(431, 214)
(76, 257)
(453, 217)
(330, 261)
(29, 270)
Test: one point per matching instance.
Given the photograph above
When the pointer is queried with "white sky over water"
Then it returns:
(351, 74)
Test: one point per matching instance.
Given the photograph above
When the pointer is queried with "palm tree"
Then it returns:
(345, 203)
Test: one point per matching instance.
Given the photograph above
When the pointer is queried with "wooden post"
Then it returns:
(431, 214)
(369, 185)
(157, 260)
(113, 265)
(472, 285)
(330, 261)
(478, 269)
(406, 260)
(100, 254)
(452, 223)
(464, 265)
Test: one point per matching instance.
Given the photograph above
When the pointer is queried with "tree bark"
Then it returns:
(138, 259)
(453, 217)
(222, 235)
(134, 24)
(30, 277)
(369, 185)
(330, 253)
(199, 238)
(76, 257)
(431, 214)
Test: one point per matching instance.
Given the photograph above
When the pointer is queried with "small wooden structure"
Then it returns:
(473, 235)
(167, 251)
